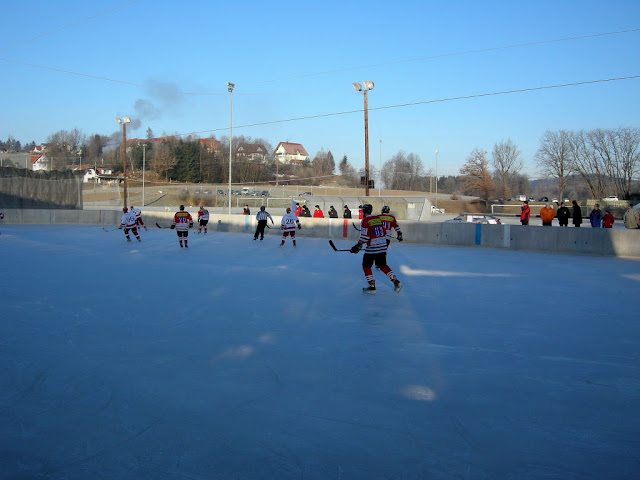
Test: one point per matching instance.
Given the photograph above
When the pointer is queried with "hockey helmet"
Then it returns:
(181, 207)
(367, 208)
(288, 210)
(262, 208)
(125, 210)
(385, 209)
(201, 208)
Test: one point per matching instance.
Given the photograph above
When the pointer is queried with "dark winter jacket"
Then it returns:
(577, 214)
(563, 215)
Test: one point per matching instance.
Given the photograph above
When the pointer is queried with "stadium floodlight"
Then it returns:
(368, 85)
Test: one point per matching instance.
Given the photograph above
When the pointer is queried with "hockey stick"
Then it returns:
(109, 230)
(338, 249)
(354, 226)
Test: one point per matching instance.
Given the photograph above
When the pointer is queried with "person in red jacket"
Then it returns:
(607, 220)
(526, 213)
(317, 213)
(298, 211)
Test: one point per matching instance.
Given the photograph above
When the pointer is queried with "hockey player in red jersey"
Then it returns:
(128, 222)
(182, 222)
(203, 219)
(374, 237)
(389, 222)
(288, 226)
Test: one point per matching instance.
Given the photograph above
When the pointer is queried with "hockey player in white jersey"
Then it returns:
(128, 222)
(288, 226)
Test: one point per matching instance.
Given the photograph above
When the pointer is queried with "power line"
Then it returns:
(442, 55)
(425, 102)
(51, 32)
(467, 52)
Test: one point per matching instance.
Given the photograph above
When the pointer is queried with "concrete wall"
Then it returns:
(585, 240)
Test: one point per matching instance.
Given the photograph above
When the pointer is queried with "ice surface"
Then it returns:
(237, 359)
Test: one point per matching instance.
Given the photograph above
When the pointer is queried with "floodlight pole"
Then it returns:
(123, 121)
(367, 85)
(230, 90)
(144, 161)
(437, 178)
(366, 146)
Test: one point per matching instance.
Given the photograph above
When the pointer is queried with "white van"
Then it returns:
(247, 190)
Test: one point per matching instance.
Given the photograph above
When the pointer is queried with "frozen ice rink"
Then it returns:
(240, 360)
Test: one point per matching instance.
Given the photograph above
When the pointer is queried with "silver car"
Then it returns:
(475, 218)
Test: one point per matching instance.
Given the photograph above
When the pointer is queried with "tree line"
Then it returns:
(593, 163)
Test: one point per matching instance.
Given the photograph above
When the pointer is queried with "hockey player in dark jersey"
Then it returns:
(374, 237)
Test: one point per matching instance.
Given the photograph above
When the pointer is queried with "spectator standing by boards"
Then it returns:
(563, 215)
(525, 213)
(576, 214)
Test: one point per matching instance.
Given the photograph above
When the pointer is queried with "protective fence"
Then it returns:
(21, 188)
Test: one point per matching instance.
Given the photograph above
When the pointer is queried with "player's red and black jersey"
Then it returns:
(373, 235)
(389, 222)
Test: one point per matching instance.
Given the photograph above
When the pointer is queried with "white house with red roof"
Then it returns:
(290, 153)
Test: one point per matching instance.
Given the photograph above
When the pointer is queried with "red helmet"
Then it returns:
(288, 210)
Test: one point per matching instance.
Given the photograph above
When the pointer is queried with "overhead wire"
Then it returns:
(292, 77)
(425, 102)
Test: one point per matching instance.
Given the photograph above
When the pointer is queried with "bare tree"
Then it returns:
(617, 152)
(164, 158)
(554, 157)
(507, 163)
(476, 176)
(588, 163)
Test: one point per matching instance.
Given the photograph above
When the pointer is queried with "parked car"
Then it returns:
(543, 199)
(610, 198)
(198, 191)
(305, 194)
(474, 218)
(265, 193)
(236, 192)
(554, 200)
(221, 192)
(207, 192)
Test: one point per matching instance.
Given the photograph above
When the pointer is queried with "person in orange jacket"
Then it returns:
(547, 215)
(317, 213)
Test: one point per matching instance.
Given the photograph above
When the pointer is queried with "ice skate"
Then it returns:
(370, 290)
(397, 286)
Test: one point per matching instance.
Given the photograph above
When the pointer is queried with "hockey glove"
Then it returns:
(299, 226)
(120, 227)
(191, 225)
(356, 248)
(399, 236)
(172, 227)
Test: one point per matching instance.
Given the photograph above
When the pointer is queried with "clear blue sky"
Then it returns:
(78, 64)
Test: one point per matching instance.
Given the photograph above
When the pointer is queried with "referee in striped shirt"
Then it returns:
(262, 217)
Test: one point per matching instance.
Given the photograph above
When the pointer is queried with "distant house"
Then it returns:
(40, 162)
(290, 153)
(211, 144)
(253, 152)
